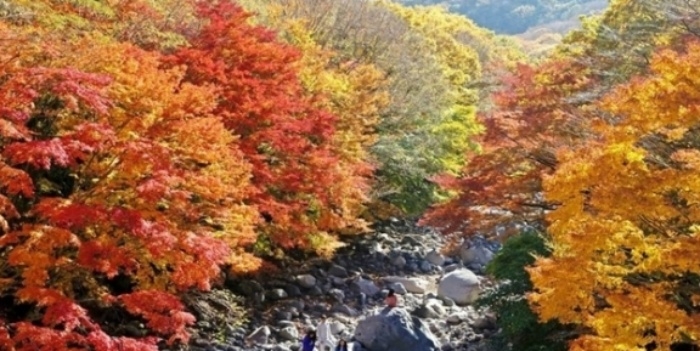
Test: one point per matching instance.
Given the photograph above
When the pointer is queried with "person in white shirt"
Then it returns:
(325, 339)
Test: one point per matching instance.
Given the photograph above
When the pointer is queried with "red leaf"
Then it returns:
(12, 131)
(69, 215)
(106, 258)
(16, 181)
(156, 237)
(162, 311)
(67, 314)
(88, 88)
(40, 154)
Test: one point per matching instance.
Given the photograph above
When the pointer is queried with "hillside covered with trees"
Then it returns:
(151, 149)
(597, 148)
(518, 16)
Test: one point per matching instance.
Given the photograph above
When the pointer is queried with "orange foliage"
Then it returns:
(145, 145)
(111, 168)
(625, 236)
(287, 139)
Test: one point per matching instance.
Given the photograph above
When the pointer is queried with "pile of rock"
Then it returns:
(436, 293)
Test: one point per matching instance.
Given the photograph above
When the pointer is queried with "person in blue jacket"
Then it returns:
(309, 341)
(342, 345)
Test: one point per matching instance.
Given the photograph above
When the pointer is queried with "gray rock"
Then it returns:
(435, 258)
(424, 312)
(399, 261)
(237, 332)
(337, 294)
(295, 304)
(318, 309)
(362, 299)
(384, 237)
(277, 294)
(426, 266)
(315, 291)
(289, 333)
(395, 330)
(486, 321)
(436, 305)
(453, 267)
(200, 342)
(345, 309)
(283, 314)
(337, 281)
(398, 288)
(259, 336)
(286, 323)
(476, 268)
(430, 309)
(447, 301)
(475, 254)
(306, 280)
(462, 286)
(365, 286)
(411, 240)
(292, 290)
(413, 285)
(259, 297)
(248, 288)
(377, 249)
(457, 317)
(337, 327)
(338, 271)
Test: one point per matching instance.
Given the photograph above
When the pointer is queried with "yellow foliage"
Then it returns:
(460, 63)
(625, 236)
(148, 23)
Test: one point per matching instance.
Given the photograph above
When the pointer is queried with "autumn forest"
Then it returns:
(150, 147)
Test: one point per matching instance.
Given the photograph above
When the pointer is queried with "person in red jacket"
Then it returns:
(391, 299)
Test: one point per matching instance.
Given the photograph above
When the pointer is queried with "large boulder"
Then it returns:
(461, 286)
(395, 330)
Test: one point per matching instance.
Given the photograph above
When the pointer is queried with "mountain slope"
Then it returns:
(517, 16)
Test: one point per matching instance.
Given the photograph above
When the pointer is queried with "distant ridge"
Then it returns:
(520, 16)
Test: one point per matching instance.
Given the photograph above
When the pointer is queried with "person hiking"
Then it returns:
(308, 343)
(325, 337)
(342, 345)
(391, 299)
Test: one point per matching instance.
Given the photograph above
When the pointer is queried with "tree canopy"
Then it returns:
(151, 148)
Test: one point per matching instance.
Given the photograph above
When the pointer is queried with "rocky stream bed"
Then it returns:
(436, 295)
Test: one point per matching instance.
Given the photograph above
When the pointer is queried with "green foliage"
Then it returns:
(521, 329)
(429, 61)
(221, 308)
